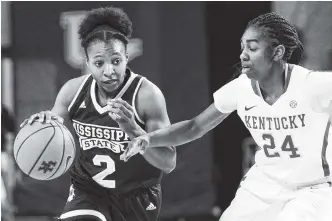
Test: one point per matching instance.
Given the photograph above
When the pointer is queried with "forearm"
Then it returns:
(175, 135)
(132, 131)
(163, 158)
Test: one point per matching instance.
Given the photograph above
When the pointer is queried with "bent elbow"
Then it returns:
(167, 170)
(170, 168)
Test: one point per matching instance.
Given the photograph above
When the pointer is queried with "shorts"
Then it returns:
(261, 199)
(142, 204)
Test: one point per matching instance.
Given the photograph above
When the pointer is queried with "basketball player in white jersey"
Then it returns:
(285, 108)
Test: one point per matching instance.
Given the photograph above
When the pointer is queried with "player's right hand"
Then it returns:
(42, 117)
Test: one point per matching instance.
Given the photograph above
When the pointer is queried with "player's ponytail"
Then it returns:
(297, 54)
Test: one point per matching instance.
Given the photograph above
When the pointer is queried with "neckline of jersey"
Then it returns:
(288, 81)
(100, 109)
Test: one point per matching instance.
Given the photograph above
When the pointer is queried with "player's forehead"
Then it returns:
(252, 35)
(109, 48)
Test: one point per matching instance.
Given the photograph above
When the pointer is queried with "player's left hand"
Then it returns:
(121, 112)
(137, 145)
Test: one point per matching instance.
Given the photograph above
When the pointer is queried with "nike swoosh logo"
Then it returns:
(67, 161)
(248, 108)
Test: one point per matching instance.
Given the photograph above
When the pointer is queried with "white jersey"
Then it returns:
(294, 134)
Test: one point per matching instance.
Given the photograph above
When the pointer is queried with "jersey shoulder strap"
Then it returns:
(131, 94)
(81, 92)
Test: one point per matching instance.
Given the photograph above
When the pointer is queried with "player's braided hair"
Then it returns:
(280, 31)
(104, 24)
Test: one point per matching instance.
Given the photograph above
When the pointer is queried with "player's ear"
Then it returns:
(87, 63)
(278, 53)
(86, 60)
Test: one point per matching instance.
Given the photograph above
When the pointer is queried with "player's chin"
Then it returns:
(250, 74)
(110, 87)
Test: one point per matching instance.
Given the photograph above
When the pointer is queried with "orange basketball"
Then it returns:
(44, 151)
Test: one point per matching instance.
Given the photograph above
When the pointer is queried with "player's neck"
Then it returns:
(274, 85)
(103, 96)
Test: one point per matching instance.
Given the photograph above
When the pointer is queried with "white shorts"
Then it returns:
(260, 199)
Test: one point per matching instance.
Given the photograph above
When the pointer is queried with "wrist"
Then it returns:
(147, 139)
(133, 130)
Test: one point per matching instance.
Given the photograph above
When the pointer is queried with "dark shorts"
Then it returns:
(142, 204)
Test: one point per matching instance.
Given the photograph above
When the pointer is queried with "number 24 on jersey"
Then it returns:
(287, 145)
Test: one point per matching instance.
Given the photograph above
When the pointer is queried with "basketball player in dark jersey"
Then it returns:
(108, 108)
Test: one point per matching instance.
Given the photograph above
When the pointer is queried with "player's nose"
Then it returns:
(108, 70)
(244, 56)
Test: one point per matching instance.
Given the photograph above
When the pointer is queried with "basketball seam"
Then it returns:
(63, 150)
(19, 148)
(71, 139)
(42, 152)
(73, 143)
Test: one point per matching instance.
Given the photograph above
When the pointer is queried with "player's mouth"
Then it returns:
(111, 81)
(245, 68)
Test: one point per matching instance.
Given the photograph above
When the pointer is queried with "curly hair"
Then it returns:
(104, 24)
(282, 32)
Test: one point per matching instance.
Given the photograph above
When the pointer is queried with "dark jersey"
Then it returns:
(101, 142)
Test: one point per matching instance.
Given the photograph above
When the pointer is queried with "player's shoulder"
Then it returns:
(150, 99)
(306, 75)
(311, 77)
(76, 82)
(239, 84)
(149, 91)
(71, 87)
(322, 76)
(237, 87)
(299, 71)
(242, 79)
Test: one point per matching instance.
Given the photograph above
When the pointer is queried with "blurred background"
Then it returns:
(188, 49)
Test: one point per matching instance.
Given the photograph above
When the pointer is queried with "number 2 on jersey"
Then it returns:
(287, 145)
(110, 168)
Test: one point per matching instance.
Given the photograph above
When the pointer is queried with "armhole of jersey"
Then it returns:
(127, 85)
(78, 92)
(134, 99)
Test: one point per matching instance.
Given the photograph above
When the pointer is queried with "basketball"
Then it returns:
(44, 151)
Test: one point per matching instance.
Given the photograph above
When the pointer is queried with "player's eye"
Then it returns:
(116, 61)
(98, 63)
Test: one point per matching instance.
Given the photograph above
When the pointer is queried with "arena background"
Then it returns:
(188, 49)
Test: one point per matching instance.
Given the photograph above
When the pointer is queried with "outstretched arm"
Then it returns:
(178, 133)
(225, 102)
(187, 131)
